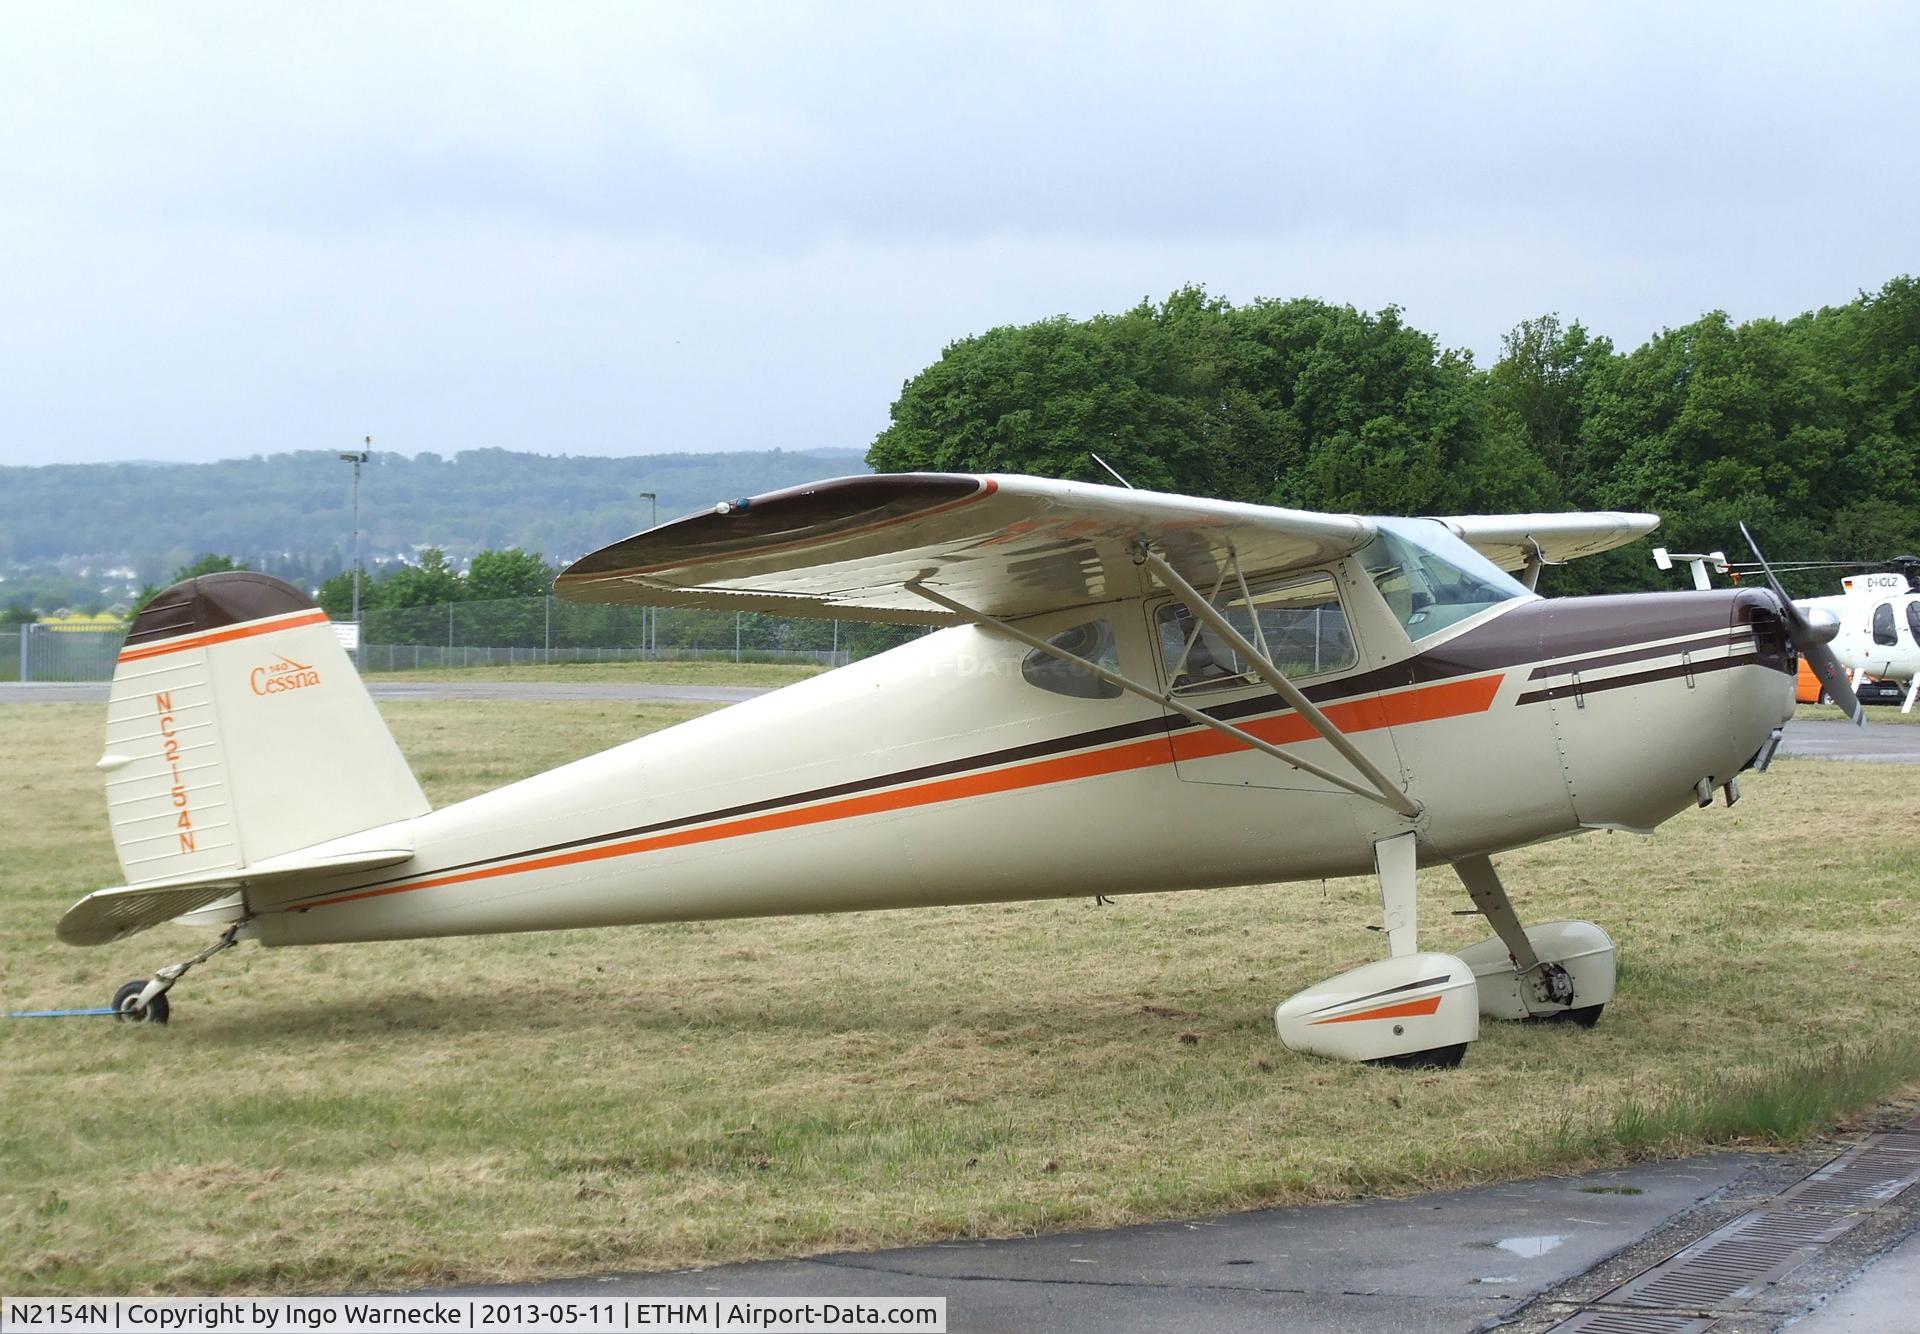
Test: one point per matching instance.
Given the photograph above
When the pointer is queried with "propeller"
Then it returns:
(1813, 640)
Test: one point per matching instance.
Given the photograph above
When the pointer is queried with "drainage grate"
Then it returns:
(1733, 1262)
(1630, 1322)
(1864, 1180)
(1740, 1259)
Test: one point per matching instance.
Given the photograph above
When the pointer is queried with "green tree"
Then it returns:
(429, 581)
(1537, 389)
(335, 595)
(1295, 403)
(512, 573)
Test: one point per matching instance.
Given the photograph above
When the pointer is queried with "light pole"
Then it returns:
(357, 457)
(652, 618)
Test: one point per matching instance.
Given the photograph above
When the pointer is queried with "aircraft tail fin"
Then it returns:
(239, 731)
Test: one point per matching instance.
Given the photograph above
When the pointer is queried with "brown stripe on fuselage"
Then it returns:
(1515, 637)
(1741, 637)
(1626, 679)
(1445, 700)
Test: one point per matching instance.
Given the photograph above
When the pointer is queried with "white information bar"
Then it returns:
(354, 1315)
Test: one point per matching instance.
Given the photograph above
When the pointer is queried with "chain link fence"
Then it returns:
(59, 653)
(512, 632)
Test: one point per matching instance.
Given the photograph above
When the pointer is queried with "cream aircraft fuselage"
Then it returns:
(1142, 693)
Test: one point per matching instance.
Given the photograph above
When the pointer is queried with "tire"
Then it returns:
(1585, 1016)
(156, 1008)
(1435, 1058)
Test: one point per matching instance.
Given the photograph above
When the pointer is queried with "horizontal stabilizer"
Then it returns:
(107, 915)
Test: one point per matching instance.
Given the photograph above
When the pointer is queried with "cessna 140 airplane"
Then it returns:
(1134, 692)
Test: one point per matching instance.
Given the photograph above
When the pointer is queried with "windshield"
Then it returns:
(1431, 578)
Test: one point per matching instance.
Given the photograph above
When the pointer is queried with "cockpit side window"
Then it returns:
(1430, 578)
(1883, 631)
(1092, 640)
(1913, 619)
(1302, 622)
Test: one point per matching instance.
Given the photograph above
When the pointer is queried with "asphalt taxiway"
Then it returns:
(1736, 1243)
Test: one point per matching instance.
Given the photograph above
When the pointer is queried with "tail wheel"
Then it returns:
(123, 1005)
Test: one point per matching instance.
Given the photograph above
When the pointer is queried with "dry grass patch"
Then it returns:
(383, 1115)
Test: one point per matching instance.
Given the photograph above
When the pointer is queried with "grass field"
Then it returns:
(390, 1115)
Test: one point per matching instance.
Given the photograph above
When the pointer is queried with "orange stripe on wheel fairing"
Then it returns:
(1439, 701)
(1404, 1010)
(314, 617)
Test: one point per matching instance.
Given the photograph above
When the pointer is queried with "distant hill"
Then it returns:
(267, 509)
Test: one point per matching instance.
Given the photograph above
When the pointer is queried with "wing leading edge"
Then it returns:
(1007, 545)
(1510, 539)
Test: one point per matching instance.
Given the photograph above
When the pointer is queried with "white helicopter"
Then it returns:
(1135, 692)
(1874, 622)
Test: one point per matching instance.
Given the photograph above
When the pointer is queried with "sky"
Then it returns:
(616, 229)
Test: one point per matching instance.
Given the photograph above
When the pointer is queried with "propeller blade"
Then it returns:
(1811, 642)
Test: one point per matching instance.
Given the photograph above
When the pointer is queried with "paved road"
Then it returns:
(1881, 1300)
(1435, 1262)
(1759, 1241)
(1888, 743)
(95, 692)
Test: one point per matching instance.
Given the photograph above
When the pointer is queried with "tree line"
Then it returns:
(1808, 428)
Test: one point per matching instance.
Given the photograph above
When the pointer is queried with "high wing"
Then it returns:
(1008, 546)
(1511, 540)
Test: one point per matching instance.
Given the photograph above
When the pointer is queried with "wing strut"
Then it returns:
(1385, 792)
(985, 621)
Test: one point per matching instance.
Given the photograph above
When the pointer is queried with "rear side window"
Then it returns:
(1302, 622)
(1883, 632)
(1092, 641)
(1913, 620)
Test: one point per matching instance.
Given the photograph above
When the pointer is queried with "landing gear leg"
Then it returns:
(1556, 970)
(145, 1002)
(1913, 690)
(1409, 1009)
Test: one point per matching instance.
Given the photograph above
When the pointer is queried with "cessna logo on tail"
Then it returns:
(282, 675)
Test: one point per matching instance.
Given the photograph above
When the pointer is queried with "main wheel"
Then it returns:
(1434, 1058)
(123, 999)
(1585, 1016)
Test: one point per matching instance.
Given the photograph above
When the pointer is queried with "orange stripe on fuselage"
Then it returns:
(1449, 699)
(1404, 1010)
(247, 631)
(1446, 700)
